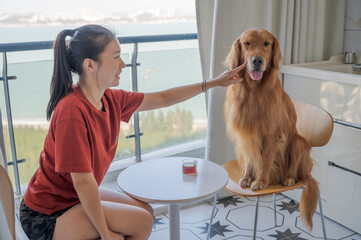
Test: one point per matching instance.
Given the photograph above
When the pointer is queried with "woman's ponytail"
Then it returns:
(87, 41)
(61, 81)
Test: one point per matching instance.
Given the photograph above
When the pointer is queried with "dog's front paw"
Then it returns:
(258, 185)
(289, 181)
(245, 182)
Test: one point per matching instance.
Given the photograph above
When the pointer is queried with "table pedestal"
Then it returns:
(174, 224)
(155, 187)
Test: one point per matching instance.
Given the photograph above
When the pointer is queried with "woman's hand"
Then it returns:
(87, 189)
(229, 77)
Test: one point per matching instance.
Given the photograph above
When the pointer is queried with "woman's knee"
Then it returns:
(149, 208)
(147, 222)
(142, 225)
(146, 219)
(128, 219)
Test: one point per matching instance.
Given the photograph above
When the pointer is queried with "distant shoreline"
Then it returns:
(46, 24)
(37, 20)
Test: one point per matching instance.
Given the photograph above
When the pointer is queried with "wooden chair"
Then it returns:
(314, 124)
(7, 200)
(7, 203)
(10, 226)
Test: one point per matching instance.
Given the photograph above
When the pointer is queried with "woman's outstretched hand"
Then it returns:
(229, 77)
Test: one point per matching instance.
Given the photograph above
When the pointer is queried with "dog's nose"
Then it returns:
(257, 61)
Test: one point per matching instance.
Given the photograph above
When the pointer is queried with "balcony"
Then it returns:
(171, 131)
(175, 131)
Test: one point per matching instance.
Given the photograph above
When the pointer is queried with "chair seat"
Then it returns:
(235, 172)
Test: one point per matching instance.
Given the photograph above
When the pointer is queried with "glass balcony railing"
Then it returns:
(161, 62)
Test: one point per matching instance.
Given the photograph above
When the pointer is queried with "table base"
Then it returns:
(174, 223)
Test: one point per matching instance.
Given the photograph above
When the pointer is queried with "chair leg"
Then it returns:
(274, 209)
(322, 219)
(210, 221)
(255, 220)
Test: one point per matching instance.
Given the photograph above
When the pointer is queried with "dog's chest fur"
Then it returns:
(248, 111)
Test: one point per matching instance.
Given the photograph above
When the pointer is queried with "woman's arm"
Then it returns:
(87, 189)
(180, 94)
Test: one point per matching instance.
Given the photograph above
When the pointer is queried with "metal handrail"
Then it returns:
(32, 46)
(10, 124)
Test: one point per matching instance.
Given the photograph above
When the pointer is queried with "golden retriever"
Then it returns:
(261, 120)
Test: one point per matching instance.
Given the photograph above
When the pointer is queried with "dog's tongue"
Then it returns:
(256, 74)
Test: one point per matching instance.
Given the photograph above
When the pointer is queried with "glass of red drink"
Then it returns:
(189, 166)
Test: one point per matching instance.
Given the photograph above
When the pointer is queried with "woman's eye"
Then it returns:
(266, 43)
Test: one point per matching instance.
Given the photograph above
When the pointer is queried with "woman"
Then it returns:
(63, 199)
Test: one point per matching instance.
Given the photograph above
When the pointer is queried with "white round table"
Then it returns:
(161, 180)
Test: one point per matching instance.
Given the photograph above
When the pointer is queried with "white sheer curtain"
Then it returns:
(308, 30)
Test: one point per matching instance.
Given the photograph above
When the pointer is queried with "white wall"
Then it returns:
(352, 35)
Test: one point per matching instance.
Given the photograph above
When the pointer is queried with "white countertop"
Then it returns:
(332, 70)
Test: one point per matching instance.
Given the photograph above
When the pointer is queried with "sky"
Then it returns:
(103, 6)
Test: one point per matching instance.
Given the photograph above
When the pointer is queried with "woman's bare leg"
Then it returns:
(114, 196)
(132, 221)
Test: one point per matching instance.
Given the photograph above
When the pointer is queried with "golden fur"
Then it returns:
(261, 120)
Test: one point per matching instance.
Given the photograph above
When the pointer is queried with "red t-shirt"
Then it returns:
(80, 139)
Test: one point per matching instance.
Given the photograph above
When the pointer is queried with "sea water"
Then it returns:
(162, 65)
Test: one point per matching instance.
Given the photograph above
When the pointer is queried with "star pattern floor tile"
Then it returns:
(234, 218)
(217, 229)
(158, 222)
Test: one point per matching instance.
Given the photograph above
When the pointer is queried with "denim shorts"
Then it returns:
(37, 225)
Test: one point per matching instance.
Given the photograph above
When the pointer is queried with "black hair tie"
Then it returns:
(70, 32)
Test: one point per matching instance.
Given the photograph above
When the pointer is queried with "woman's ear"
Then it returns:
(276, 54)
(233, 59)
(89, 65)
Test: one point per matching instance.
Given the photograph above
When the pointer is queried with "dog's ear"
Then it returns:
(276, 54)
(233, 59)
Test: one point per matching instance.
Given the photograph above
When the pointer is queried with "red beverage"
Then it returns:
(189, 167)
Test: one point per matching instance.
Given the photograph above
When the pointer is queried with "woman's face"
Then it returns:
(110, 65)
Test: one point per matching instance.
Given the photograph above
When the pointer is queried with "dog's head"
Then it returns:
(259, 48)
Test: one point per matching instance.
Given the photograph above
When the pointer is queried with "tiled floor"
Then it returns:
(234, 218)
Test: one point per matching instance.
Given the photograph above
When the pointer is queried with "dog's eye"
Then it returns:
(247, 43)
(266, 43)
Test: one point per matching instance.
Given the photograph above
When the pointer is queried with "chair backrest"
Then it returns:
(3, 161)
(313, 123)
(7, 200)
